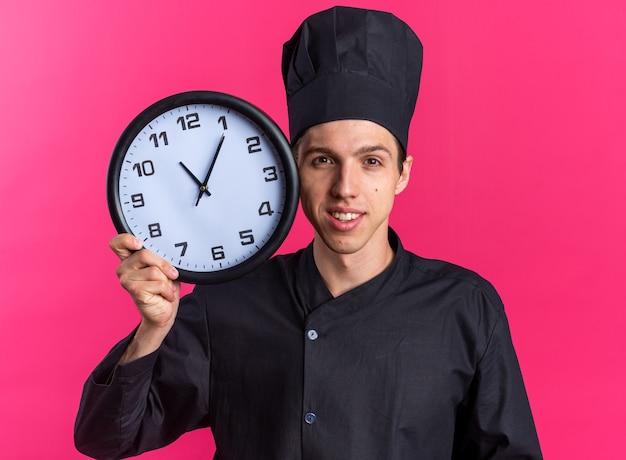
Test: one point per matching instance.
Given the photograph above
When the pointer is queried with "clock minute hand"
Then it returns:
(204, 185)
(195, 179)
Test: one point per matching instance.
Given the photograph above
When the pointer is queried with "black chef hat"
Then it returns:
(351, 63)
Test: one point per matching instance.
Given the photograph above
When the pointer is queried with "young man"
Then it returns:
(351, 348)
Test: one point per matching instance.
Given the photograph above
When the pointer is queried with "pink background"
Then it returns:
(520, 174)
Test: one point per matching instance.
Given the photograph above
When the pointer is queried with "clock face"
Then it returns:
(206, 181)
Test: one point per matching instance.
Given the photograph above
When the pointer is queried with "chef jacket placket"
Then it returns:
(325, 373)
(313, 365)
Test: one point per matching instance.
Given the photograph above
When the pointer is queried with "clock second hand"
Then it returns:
(204, 185)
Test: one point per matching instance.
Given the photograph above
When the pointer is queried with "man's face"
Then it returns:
(349, 177)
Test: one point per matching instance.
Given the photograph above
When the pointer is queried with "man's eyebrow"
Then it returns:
(374, 148)
(316, 149)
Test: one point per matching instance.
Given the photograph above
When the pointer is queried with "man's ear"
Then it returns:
(403, 180)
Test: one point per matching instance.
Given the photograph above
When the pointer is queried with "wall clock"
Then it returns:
(207, 181)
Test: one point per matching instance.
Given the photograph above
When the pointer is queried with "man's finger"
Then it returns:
(124, 245)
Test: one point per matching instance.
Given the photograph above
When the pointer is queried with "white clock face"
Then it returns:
(203, 187)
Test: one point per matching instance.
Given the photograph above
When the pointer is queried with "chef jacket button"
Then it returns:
(312, 334)
(310, 418)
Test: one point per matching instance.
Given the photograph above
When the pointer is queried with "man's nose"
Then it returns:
(346, 182)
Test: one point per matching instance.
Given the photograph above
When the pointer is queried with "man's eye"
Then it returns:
(321, 160)
(372, 162)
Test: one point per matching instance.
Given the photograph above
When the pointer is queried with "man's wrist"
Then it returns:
(147, 340)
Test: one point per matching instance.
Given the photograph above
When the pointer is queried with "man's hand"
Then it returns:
(151, 282)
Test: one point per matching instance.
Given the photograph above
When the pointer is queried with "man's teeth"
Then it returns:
(345, 216)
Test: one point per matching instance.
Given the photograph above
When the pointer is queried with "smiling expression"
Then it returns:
(349, 178)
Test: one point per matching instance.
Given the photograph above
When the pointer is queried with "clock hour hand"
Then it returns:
(204, 185)
(195, 179)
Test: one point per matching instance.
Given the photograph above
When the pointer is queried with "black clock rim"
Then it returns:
(256, 115)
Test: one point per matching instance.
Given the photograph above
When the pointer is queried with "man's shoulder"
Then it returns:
(437, 268)
(280, 264)
(430, 270)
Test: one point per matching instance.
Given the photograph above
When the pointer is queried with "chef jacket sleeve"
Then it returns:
(495, 421)
(148, 403)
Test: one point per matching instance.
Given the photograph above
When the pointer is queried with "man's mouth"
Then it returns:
(345, 216)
